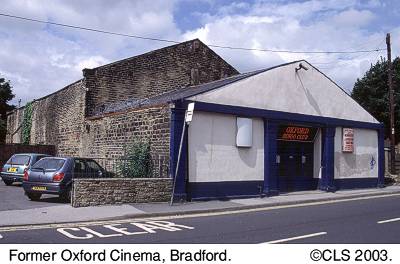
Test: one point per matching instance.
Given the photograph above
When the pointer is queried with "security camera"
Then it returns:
(301, 66)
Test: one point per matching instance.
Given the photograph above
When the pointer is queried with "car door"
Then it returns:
(93, 169)
(79, 168)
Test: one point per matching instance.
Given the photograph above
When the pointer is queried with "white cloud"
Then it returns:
(40, 59)
(91, 62)
(311, 25)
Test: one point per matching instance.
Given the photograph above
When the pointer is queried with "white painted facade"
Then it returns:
(213, 154)
(363, 162)
(283, 89)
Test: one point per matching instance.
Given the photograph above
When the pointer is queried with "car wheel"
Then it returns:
(34, 196)
(8, 182)
(66, 196)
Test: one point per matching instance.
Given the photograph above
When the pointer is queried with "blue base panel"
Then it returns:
(224, 190)
(247, 189)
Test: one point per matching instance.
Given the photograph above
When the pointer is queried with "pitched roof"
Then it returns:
(181, 93)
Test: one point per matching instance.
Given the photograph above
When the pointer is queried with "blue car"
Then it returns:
(13, 170)
(54, 175)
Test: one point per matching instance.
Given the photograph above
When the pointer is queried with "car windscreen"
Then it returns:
(19, 160)
(49, 164)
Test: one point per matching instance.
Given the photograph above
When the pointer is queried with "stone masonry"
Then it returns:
(70, 119)
(91, 192)
(154, 73)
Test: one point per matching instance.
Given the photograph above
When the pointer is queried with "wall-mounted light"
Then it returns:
(301, 66)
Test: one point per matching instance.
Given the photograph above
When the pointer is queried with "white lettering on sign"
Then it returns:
(348, 140)
(118, 230)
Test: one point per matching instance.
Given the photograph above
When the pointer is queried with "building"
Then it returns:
(281, 129)
(89, 118)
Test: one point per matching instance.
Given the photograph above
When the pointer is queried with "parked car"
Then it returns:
(13, 170)
(54, 175)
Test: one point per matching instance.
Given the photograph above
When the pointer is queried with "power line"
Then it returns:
(177, 42)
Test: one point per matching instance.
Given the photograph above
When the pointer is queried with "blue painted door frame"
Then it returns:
(271, 177)
(271, 181)
(327, 181)
(176, 129)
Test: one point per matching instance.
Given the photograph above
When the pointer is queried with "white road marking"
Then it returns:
(388, 221)
(183, 216)
(84, 232)
(1, 236)
(295, 238)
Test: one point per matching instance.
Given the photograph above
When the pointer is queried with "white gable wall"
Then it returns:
(282, 89)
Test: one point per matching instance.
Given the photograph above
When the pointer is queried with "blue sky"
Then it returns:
(40, 59)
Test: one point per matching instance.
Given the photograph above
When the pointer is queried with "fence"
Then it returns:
(121, 167)
(388, 160)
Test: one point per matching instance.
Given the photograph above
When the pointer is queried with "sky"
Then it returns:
(39, 59)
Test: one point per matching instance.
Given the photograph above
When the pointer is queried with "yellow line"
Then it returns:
(194, 215)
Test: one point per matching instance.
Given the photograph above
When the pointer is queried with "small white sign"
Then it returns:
(348, 140)
(189, 113)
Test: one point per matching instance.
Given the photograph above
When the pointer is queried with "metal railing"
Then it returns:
(121, 167)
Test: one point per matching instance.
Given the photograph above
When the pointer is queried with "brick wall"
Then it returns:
(153, 73)
(91, 192)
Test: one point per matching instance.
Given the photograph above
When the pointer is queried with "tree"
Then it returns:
(372, 93)
(6, 95)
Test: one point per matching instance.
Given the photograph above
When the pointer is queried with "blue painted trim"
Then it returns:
(283, 117)
(271, 183)
(177, 121)
(381, 158)
(356, 183)
(328, 160)
(224, 190)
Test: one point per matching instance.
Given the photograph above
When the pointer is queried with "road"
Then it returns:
(374, 220)
(13, 198)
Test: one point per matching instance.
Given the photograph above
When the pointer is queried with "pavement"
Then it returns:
(52, 212)
(373, 219)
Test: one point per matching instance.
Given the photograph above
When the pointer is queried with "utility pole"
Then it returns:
(391, 107)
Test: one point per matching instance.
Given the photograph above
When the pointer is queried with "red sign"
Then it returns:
(297, 133)
(348, 140)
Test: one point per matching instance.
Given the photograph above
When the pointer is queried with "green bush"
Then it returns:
(136, 163)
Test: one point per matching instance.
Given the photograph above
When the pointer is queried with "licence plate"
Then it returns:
(12, 170)
(39, 188)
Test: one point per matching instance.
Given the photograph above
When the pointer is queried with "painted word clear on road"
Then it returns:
(118, 230)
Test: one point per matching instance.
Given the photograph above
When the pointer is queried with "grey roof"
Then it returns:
(181, 93)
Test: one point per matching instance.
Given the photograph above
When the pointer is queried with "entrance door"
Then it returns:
(295, 168)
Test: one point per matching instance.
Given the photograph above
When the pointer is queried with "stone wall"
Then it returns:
(108, 136)
(57, 119)
(153, 73)
(91, 192)
(64, 118)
